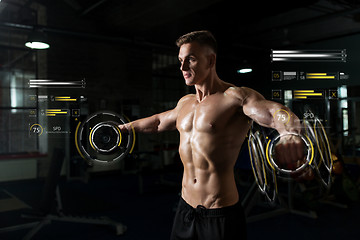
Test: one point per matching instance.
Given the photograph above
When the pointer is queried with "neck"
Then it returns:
(209, 86)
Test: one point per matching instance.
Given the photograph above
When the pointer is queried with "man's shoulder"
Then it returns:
(235, 91)
(188, 97)
(239, 89)
(185, 99)
(242, 93)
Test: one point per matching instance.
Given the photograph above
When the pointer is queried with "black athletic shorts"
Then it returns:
(209, 224)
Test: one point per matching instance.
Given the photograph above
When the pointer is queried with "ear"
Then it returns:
(212, 60)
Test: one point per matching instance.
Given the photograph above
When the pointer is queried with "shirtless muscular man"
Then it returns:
(213, 124)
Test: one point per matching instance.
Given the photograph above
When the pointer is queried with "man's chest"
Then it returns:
(212, 114)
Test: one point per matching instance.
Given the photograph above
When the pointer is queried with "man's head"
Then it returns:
(203, 37)
(197, 55)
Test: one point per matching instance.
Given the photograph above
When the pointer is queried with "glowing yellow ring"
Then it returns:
(82, 135)
(312, 150)
(36, 124)
(267, 155)
(118, 129)
(76, 141)
(91, 138)
(285, 112)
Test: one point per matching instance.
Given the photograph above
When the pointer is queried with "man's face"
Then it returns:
(195, 62)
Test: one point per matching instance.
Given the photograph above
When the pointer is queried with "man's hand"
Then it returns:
(124, 128)
(290, 155)
(289, 152)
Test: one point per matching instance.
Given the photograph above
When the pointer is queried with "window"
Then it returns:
(344, 109)
(15, 107)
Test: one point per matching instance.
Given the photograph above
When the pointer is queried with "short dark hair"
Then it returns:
(203, 37)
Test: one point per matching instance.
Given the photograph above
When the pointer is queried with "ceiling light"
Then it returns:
(37, 40)
(244, 67)
(37, 45)
(244, 70)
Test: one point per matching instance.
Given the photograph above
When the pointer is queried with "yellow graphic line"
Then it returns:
(308, 94)
(304, 91)
(66, 100)
(56, 112)
(316, 74)
(320, 77)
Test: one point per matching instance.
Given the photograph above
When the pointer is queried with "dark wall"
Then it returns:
(114, 72)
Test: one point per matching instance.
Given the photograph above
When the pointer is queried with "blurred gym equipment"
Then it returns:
(50, 207)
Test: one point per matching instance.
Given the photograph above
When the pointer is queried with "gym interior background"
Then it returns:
(121, 57)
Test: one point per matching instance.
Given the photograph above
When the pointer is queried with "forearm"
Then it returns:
(284, 120)
(277, 116)
(144, 125)
(157, 123)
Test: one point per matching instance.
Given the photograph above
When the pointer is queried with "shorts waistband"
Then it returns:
(215, 212)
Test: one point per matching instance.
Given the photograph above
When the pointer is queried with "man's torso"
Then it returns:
(211, 135)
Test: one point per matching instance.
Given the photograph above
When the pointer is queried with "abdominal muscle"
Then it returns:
(208, 178)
